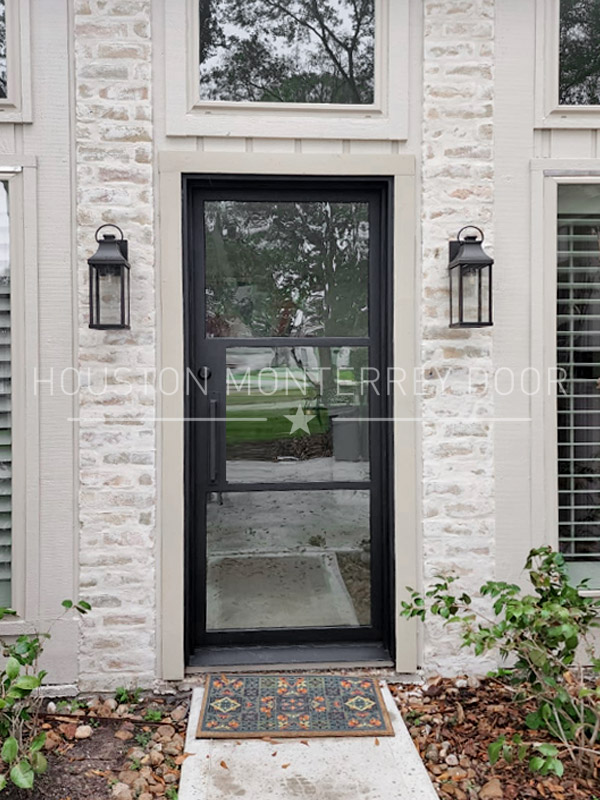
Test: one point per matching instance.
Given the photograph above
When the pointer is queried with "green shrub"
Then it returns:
(538, 636)
(21, 738)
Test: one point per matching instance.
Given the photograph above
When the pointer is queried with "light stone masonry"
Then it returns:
(457, 189)
(117, 439)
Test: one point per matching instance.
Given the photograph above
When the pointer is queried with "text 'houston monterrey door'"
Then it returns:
(288, 437)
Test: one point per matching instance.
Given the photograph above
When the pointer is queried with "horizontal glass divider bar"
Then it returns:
(580, 491)
(575, 412)
(577, 475)
(571, 507)
(576, 523)
(291, 486)
(278, 341)
(579, 285)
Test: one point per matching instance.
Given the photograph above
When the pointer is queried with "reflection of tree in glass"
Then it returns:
(286, 268)
(3, 87)
(579, 52)
(287, 51)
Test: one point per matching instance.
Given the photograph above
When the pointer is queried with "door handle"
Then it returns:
(212, 439)
(204, 373)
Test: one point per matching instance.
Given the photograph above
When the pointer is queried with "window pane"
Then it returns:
(286, 268)
(288, 559)
(578, 357)
(297, 413)
(5, 403)
(579, 82)
(291, 52)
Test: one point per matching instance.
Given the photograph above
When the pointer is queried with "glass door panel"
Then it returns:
(297, 413)
(288, 559)
(286, 268)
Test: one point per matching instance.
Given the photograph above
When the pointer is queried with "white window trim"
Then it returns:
(386, 118)
(547, 175)
(17, 106)
(548, 112)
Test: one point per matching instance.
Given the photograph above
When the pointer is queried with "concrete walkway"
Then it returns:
(353, 768)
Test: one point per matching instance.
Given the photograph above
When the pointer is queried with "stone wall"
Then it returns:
(117, 439)
(457, 189)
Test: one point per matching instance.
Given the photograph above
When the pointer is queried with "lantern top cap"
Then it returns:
(467, 250)
(472, 237)
(108, 236)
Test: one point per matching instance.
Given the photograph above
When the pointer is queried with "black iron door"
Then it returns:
(288, 491)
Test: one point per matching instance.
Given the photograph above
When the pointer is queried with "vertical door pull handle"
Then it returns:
(212, 440)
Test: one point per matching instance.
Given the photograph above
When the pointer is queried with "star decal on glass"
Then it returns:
(299, 420)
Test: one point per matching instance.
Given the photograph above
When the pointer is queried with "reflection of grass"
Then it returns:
(247, 428)
(235, 398)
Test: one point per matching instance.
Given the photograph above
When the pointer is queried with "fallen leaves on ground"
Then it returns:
(452, 722)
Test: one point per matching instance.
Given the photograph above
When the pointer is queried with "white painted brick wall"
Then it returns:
(457, 189)
(117, 436)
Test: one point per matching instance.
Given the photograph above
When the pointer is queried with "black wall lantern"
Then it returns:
(470, 270)
(109, 282)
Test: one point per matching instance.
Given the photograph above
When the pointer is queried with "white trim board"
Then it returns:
(172, 165)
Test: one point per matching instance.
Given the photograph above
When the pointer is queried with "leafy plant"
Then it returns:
(538, 635)
(143, 738)
(171, 793)
(545, 761)
(20, 734)
(125, 696)
(152, 715)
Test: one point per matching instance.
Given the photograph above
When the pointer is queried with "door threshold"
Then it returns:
(291, 656)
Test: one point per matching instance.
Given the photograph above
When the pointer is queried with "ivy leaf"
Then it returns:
(536, 763)
(494, 750)
(39, 763)
(28, 682)
(12, 668)
(38, 742)
(10, 750)
(2, 782)
(67, 604)
(547, 749)
(22, 775)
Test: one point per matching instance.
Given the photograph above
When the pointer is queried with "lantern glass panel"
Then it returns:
(109, 285)
(471, 295)
(455, 291)
(486, 311)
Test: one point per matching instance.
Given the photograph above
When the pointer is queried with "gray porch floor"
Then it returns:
(358, 768)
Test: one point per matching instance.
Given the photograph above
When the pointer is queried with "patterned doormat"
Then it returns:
(256, 706)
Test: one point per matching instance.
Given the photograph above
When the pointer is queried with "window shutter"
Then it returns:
(578, 400)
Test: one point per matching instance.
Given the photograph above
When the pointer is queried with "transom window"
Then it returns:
(297, 51)
(579, 65)
(578, 359)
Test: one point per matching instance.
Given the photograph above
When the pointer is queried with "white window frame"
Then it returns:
(547, 176)
(16, 107)
(548, 112)
(386, 118)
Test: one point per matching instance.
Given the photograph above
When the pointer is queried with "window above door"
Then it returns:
(338, 69)
(567, 64)
(15, 83)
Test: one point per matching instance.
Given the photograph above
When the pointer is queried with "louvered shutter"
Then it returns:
(578, 400)
(5, 403)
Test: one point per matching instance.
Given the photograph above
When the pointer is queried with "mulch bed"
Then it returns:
(452, 722)
(106, 751)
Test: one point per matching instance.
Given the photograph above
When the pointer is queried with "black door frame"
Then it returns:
(379, 192)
